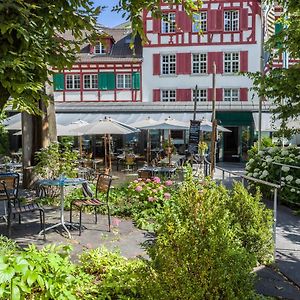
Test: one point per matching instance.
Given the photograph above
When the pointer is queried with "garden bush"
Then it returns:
(261, 165)
(199, 252)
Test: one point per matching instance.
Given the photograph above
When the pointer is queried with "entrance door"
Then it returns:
(231, 145)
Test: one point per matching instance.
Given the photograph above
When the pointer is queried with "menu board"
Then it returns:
(194, 136)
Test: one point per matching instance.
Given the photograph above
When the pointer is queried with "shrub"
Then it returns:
(116, 276)
(199, 253)
(261, 165)
(55, 160)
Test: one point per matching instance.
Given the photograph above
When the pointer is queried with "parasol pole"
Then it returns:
(109, 152)
(80, 145)
(169, 144)
(105, 152)
(148, 146)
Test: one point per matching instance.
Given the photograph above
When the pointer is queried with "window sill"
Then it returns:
(199, 74)
(166, 75)
(230, 74)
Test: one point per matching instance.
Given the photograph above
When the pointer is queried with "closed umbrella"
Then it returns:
(106, 127)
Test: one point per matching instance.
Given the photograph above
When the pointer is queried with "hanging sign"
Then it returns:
(194, 136)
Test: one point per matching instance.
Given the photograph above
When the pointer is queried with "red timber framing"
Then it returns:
(96, 68)
(248, 10)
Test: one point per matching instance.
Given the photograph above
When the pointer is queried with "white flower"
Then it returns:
(289, 178)
(285, 168)
(298, 181)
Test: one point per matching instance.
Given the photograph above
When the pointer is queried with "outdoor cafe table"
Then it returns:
(176, 160)
(62, 182)
(164, 171)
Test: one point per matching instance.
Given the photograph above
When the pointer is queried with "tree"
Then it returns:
(31, 43)
(282, 85)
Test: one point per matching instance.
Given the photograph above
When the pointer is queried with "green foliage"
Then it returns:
(31, 42)
(4, 146)
(262, 165)
(42, 274)
(7, 245)
(55, 160)
(283, 84)
(116, 276)
(200, 252)
(253, 221)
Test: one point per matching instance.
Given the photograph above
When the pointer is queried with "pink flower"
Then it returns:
(167, 195)
(138, 188)
(135, 181)
(151, 199)
(161, 188)
(139, 179)
(116, 222)
(156, 179)
(148, 180)
(154, 191)
(168, 182)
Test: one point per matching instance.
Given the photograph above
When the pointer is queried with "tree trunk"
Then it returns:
(4, 97)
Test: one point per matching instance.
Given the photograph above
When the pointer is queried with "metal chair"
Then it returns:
(9, 192)
(102, 187)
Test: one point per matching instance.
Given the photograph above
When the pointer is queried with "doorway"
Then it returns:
(231, 145)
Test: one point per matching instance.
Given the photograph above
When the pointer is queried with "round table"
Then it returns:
(61, 182)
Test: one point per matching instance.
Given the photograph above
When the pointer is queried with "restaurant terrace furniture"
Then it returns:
(101, 198)
(61, 183)
(9, 192)
(159, 171)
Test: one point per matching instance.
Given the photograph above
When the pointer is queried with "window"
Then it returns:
(99, 49)
(124, 81)
(199, 63)
(231, 95)
(73, 82)
(200, 22)
(168, 95)
(231, 62)
(200, 95)
(168, 24)
(90, 81)
(168, 64)
(231, 20)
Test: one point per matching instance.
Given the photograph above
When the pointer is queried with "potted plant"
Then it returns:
(168, 147)
(202, 147)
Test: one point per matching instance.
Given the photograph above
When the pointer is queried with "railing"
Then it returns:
(276, 187)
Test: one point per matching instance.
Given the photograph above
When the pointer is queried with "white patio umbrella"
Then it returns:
(207, 126)
(143, 124)
(106, 127)
(169, 124)
(61, 131)
(73, 130)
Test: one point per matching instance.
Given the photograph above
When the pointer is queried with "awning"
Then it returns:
(127, 118)
(268, 124)
(228, 118)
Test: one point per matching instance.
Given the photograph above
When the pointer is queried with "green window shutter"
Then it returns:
(136, 78)
(106, 81)
(278, 28)
(58, 81)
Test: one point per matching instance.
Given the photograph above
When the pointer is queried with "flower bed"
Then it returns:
(262, 165)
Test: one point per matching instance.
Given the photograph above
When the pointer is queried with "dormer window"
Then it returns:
(99, 49)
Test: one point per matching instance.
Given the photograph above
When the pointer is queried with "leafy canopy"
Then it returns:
(282, 86)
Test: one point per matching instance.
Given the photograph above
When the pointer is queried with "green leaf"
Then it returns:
(32, 277)
(15, 293)
(7, 274)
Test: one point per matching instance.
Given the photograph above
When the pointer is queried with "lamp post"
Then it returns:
(214, 124)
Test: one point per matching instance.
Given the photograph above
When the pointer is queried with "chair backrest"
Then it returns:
(11, 181)
(144, 174)
(129, 159)
(4, 196)
(103, 184)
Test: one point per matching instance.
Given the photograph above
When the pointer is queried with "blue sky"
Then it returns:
(107, 17)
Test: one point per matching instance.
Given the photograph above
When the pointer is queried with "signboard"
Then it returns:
(194, 136)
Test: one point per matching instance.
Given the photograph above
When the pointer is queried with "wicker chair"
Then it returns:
(102, 187)
(9, 195)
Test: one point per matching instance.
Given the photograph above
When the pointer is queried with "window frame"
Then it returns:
(168, 97)
(231, 98)
(93, 84)
(200, 98)
(233, 64)
(200, 63)
(125, 85)
(168, 65)
(73, 82)
(168, 25)
(199, 23)
(101, 49)
(231, 22)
